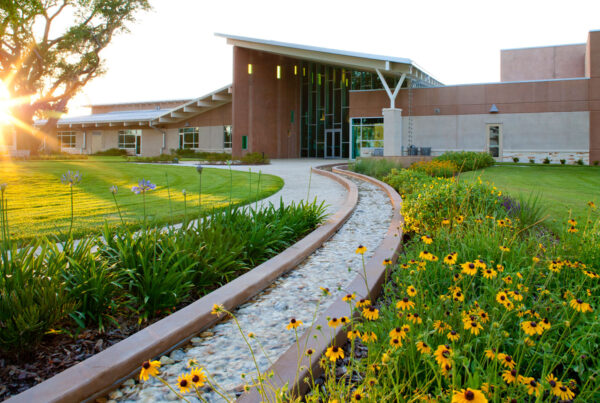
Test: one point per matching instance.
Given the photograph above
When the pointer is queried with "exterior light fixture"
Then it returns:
(249, 68)
(494, 109)
(295, 70)
(278, 72)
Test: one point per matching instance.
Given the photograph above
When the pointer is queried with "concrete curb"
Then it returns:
(104, 371)
(285, 368)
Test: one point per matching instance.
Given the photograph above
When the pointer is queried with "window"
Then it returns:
(188, 137)
(227, 137)
(366, 133)
(244, 142)
(494, 139)
(67, 139)
(127, 138)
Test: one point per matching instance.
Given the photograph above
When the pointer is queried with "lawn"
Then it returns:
(39, 204)
(562, 189)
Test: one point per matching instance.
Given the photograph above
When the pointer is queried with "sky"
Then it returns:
(171, 52)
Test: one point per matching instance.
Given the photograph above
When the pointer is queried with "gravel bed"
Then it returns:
(222, 351)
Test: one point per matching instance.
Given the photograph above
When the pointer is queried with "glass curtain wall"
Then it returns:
(324, 105)
(367, 136)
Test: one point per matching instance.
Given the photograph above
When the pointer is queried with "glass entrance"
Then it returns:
(494, 134)
(333, 143)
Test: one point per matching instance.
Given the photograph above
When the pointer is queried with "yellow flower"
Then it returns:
(451, 258)
(415, 318)
(459, 219)
(469, 268)
(349, 297)
(572, 222)
(293, 324)
(480, 264)
(580, 306)
(251, 335)
(506, 360)
(490, 354)
(533, 387)
(363, 302)
(369, 337)
(592, 205)
(502, 297)
(443, 355)
(309, 352)
(325, 290)
(334, 352)
(353, 334)
(405, 304)
(489, 273)
(361, 249)
(554, 383)
(469, 396)
(385, 358)
(411, 291)
(445, 221)
(564, 393)
(217, 310)
(357, 395)
(371, 313)
(474, 327)
(423, 348)
(198, 377)
(184, 382)
(532, 328)
(516, 295)
(334, 322)
(504, 249)
(500, 268)
(458, 295)
(427, 239)
(572, 230)
(545, 324)
(149, 368)
(453, 336)
(395, 343)
(509, 376)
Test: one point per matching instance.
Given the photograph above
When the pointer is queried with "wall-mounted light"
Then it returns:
(278, 72)
(249, 68)
(436, 111)
(295, 70)
(494, 109)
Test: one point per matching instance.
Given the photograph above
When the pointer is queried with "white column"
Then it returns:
(392, 132)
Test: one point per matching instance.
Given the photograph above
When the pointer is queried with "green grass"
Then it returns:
(39, 204)
(562, 188)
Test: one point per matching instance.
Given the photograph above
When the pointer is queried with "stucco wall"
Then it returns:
(542, 63)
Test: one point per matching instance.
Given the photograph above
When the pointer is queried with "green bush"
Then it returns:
(546, 160)
(112, 152)
(156, 158)
(436, 168)
(515, 159)
(255, 158)
(201, 155)
(375, 167)
(467, 160)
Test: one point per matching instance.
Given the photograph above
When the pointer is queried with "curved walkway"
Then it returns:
(222, 350)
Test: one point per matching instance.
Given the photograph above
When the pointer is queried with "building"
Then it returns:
(291, 101)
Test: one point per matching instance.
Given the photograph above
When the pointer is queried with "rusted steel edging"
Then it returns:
(286, 366)
(104, 371)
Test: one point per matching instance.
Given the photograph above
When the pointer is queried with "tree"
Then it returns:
(44, 64)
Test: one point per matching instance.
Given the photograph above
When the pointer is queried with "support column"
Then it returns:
(392, 132)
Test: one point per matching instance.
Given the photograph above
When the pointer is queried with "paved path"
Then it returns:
(221, 349)
(296, 175)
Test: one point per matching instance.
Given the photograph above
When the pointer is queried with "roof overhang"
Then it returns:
(391, 66)
(197, 106)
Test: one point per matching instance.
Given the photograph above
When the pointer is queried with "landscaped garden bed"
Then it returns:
(60, 304)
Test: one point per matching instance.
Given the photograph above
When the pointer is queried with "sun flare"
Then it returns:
(5, 104)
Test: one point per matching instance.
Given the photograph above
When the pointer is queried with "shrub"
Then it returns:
(563, 162)
(156, 158)
(580, 162)
(375, 167)
(436, 168)
(255, 158)
(467, 160)
(515, 159)
(201, 155)
(596, 163)
(546, 160)
(114, 152)
(532, 161)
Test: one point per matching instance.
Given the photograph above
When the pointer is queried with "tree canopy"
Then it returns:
(50, 49)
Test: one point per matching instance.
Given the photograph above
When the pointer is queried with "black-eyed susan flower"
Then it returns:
(509, 376)
(592, 205)
(325, 291)
(516, 295)
(197, 377)
(411, 291)
(469, 268)
(334, 322)
(489, 273)
(349, 297)
(469, 396)
(502, 297)
(453, 335)
(352, 334)
(334, 353)
(506, 360)
(397, 332)
(533, 386)
(473, 327)
(405, 304)
(480, 264)
(426, 239)
(344, 320)
(358, 395)
(458, 295)
(149, 368)
(508, 279)
(545, 324)
(423, 348)
(425, 255)
(309, 352)
(580, 306)
(554, 383)
(445, 221)
(395, 342)
(572, 229)
(459, 219)
(369, 337)
(531, 328)
(564, 393)
(440, 326)
(500, 268)
(451, 258)
(293, 324)
(387, 262)
(184, 383)
(415, 318)
(405, 266)
(443, 355)
(361, 249)
(217, 309)
(504, 248)
(363, 302)
(490, 354)
(484, 317)
(572, 222)
(371, 313)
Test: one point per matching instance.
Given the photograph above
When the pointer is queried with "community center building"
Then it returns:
(294, 101)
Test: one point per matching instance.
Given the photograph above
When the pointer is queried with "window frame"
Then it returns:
(195, 143)
(488, 126)
(72, 143)
(128, 132)
(371, 122)
(227, 132)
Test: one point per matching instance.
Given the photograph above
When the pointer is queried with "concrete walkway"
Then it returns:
(296, 175)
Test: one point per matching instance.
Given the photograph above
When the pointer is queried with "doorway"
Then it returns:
(138, 145)
(494, 139)
(333, 143)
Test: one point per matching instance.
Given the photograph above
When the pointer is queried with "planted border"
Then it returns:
(286, 367)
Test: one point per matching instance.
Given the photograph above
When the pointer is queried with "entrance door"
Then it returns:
(138, 145)
(333, 143)
(494, 140)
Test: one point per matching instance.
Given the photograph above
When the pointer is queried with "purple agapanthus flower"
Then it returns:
(143, 187)
(114, 189)
(71, 178)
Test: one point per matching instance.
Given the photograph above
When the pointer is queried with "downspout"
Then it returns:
(164, 136)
